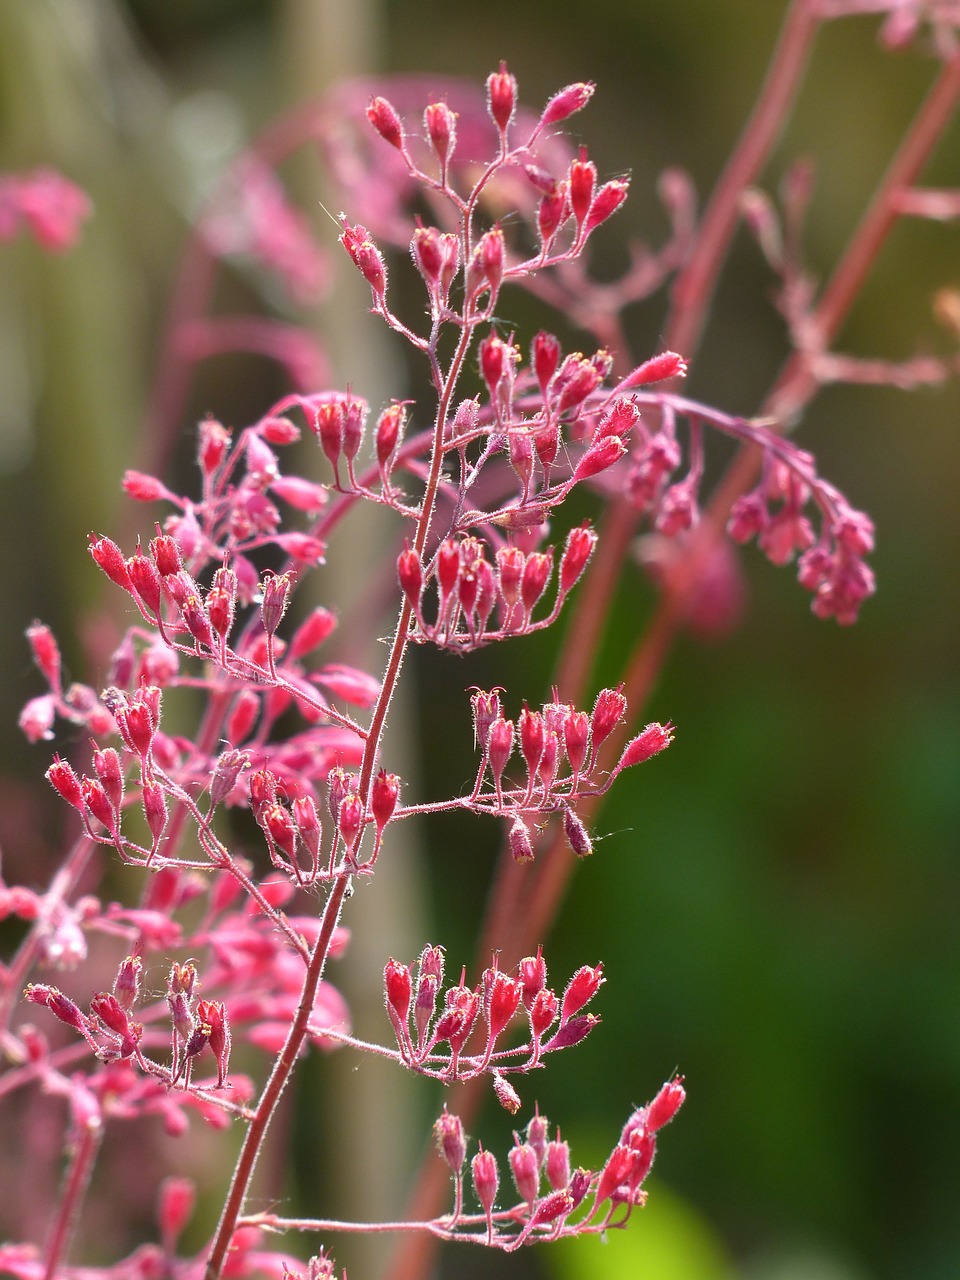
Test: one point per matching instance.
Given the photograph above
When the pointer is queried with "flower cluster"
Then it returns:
(249, 831)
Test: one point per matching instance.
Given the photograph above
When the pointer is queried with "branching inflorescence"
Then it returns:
(477, 486)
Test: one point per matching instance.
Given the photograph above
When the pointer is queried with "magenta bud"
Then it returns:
(441, 126)
(62, 778)
(386, 121)
(525, 1169)
(518, 838)
(557, 1163)
(110, 559)
(608, 711)
(450, 1140)
(599, 457)
(126, 985)
(46, 653)
(606, 202)
(577, 551)
(582, 179)
(654, 739)
(581, 989)
(486, 1178)
(666, 1104)
(576, 834)
(501, 97)
(566, 103)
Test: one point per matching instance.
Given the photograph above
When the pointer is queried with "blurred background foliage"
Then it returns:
(776, 901)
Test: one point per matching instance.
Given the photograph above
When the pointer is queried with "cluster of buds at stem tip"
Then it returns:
(478, 601)
(560, 748)
(459, 1032)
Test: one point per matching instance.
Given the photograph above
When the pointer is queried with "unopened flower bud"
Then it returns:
(448, 1134)
(666, 1104)
(582, 179)
(580, 990)
(599, 457)
(576, 834)
(441, 127)
(525, 1169)
(384, 118)
(606, 202)
(501, 97)
(565, 103)
(557, 1164)
(110, 559)
(62, 778)
(518, 838)
(46, 653)
(576, 552)
(654, 738)
(276, 597)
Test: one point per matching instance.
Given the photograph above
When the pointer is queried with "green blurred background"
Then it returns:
(776, 901)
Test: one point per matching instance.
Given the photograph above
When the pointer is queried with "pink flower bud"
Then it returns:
(106, 765)
(505, 1093)
(606, 202)
(279, 431)
(448, 1134)
(582, 179)
(126, 985)
(552, 212)
(388, 435)
(213, 444)
(532, 972)
(367, 258)
(576, 734)
(666, 365)
(110, 559)
(212, 1015)
(557, 1164)
(599, 457)
(576, 834)
(510, 566)
(536, 573)
(576, 552)
(501, 97)
(166, 555)
(581, 989)
(410, 574)
(350, 821)
(441, 127)
(98, 805)
(385, 120)
(276, 597)
(518, 838)
(196, 621)
(666, 1104)
(525, 1169)
(398, 988)
(502, 1001)
(543, 1012)
(37, 717)
(608, 711)
(654, 738)
(566, 103)
(546, 357)
(383, 799)
(63, 779)
(499, 747)
(493, 361)
(60, 1006)
(448, 568)
(46, 653)
(174, 1207)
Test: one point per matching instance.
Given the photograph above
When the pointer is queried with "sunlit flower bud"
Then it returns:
(606, 202)
(448, 1134)
(557, 1164)
(582, 179)
(518, 838)
(110, 559)
(384, 118)
(566, 103)
(576, 834)
(501, 97)
(441, 127)
(525, 1169)
(212, 445)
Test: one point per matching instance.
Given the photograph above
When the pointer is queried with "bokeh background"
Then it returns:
(777, 900)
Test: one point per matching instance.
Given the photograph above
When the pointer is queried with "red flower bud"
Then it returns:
(501, 97)
(654, 738)
(448, 1134)
(599, 457)
(606, 202)
(577, 551)
(441, 126)
(525, 1169)
(110, 559)
(582, 180)
(581, 989)
(566, 103)
(385, 120)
